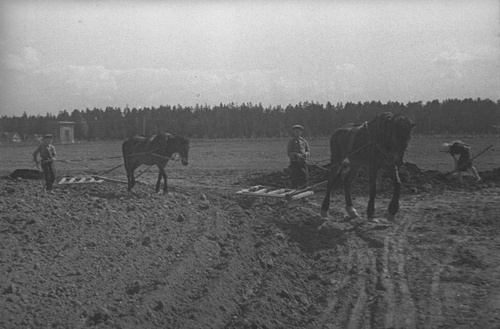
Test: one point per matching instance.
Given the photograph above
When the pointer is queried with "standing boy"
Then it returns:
(464, 162)
(298, 151)
(48, 156)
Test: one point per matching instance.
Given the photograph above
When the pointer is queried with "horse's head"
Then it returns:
(182, 147)
(400, 137)
(394, 136)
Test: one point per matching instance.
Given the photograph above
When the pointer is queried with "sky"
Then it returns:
(66, 55)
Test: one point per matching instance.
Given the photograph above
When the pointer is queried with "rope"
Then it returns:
(143, 171)
(141, 153)
(103, 158)
(300, 190)
(114, 168)
(310, 161)
(74, 164)
(316, 165)
(304, 187)
(118, 166)
(163, 157)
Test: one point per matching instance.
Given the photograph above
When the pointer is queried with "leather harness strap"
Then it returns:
(380, 148)
(350, 145)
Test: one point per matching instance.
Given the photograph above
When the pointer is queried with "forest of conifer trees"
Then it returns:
(467, 116)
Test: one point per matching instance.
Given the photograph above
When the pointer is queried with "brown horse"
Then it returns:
(379, 143)
(155, 150)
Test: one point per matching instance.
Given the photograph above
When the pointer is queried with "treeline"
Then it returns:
(468, 116)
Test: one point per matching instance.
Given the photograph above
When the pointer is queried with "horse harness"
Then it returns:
(377, 144)
(350, 145)
(349, 150)
(152, 152)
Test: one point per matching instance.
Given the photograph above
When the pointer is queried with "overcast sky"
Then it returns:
(65, 55)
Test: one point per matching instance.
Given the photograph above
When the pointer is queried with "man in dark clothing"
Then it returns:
(48, 156)
(298, 151)
(463, 163)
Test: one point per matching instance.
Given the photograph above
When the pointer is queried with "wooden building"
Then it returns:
(66, 132)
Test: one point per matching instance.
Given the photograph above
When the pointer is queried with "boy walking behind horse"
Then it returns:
(464, 162)
(298, 151)
(48, 156)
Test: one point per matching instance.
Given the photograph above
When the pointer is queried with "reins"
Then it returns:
(305, 187)
(163, 157)
(142, 153)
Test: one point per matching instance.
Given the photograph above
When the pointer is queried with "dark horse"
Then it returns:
(379, 143)
(154, 150)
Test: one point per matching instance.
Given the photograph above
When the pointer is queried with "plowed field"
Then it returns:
(202, 256)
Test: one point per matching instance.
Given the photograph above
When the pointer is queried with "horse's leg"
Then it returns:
(133, 166)
(353, 173)
(165, 186)
(161, 174)
(130, 176)
(158, 182)
(372, 176)
(333, 175)
(394, 205)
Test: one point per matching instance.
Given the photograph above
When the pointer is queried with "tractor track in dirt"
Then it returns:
(399, 297)
(376, 292)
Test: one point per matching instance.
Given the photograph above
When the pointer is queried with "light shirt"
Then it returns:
(46, 151)
(297, 145)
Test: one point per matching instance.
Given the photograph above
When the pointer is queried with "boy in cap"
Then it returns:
(463, 163)
(298, 151)
(48, 156)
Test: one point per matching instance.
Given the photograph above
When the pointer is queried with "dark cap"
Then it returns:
(48, 136)
(298, 127)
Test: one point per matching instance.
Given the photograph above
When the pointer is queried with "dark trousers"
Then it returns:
(49, 173)
(299, 173)
(464, 163)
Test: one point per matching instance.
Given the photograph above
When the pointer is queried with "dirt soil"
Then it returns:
(198, 257)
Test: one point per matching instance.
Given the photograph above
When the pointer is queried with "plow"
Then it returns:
(269, 192)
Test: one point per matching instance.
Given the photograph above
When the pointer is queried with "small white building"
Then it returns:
(66, 132)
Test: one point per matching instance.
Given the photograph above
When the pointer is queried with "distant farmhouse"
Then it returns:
(10, 137)
(34, 138)
(63, 132)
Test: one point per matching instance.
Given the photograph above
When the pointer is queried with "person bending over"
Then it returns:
(464, 161)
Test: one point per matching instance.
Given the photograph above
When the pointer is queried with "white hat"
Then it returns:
(446, 147)
(298, 127)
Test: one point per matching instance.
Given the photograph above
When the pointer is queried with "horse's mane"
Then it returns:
(386, 124)
(180, 139)
(403, 127)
